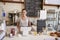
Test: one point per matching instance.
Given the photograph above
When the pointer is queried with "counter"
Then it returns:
(31, 37)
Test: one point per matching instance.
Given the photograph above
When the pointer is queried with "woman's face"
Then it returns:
(24, 12)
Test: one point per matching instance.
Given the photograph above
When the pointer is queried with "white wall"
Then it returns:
(8, 7)
(12, 6)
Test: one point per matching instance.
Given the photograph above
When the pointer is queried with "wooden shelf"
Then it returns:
(51, 5)
(13, 2)
(51, 19)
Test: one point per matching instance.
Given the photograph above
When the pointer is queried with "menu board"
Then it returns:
(57, 2)
(32, 7)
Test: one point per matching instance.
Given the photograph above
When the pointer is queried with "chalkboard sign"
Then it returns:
(40, 25)
(32, 7)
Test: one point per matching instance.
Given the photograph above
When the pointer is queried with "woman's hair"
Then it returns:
(23, 10)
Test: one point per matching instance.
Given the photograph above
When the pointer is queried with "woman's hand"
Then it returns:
(18, 27)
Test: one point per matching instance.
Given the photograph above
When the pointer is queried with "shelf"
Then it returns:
(51, 19)
(51, 5)
(58, 18)
(13, 2)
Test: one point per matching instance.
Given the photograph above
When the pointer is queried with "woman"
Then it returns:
(23, 20)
